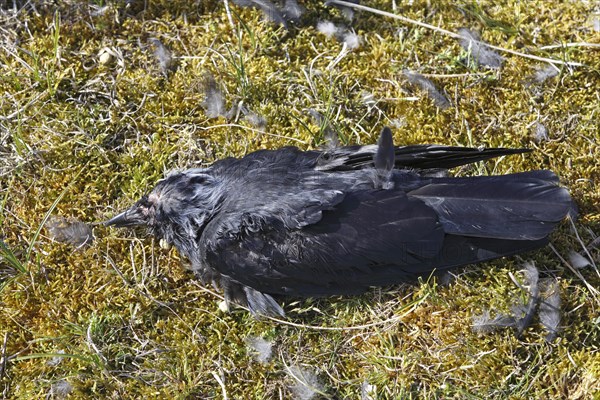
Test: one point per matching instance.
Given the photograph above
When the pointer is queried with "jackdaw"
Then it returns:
(315, 223)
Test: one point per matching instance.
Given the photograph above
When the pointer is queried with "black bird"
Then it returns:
(319, 223)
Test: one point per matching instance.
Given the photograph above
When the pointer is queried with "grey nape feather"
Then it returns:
(72, 232)
(328, 28)
(480, 53)
(550, 313)
(60, 389)
(368, 391)
(540, 134)
(577, 260)
(428, 87)
(257, 121)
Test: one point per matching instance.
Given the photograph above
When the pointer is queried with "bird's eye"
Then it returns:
(197, 179)
(145, 210)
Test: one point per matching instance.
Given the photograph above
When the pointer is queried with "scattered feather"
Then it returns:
(327, 28)
(480, 53)
(368, 391)
(484, 323)
(524, 312)
(98, 11)
(60, 389)
(545, 72)
(446, 277)
(257, 121)
(594, 244)
(233, 114)
(269, 10)
(577, 260)
(351, 40)
(540, 133)
(165, 58)
(262, 349)
(428, 87)
(398, 122)
(550, 308)
(368, 99)
(307, 384)
(384, 157)
(54, 361)
(596, 23)
(214, 103)
(72, 232)
(292, 11)
(347, 12)
(329, 134)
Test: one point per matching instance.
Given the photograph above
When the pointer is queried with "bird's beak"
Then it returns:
(130, 217)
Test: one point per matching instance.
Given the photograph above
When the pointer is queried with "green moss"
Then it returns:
(126, 317)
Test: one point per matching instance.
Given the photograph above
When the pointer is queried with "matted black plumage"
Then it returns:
(319, 223)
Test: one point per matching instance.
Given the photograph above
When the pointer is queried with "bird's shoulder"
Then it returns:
(286, 158)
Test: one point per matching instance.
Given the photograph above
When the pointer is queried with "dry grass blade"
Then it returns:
(3, 356)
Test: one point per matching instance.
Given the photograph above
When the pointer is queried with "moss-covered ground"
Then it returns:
(89, 122)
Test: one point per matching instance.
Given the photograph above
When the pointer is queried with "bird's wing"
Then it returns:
(415, 156)
(351, 247)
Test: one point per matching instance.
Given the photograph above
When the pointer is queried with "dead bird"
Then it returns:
(315, 223)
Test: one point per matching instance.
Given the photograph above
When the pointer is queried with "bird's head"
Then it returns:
(178, 207)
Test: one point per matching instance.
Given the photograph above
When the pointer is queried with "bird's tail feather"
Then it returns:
(524, 206)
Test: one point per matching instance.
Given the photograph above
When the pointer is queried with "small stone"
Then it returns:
(164, 244)
(105, 56)
(223, 306)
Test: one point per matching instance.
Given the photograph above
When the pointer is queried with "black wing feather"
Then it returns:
(415, 156)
